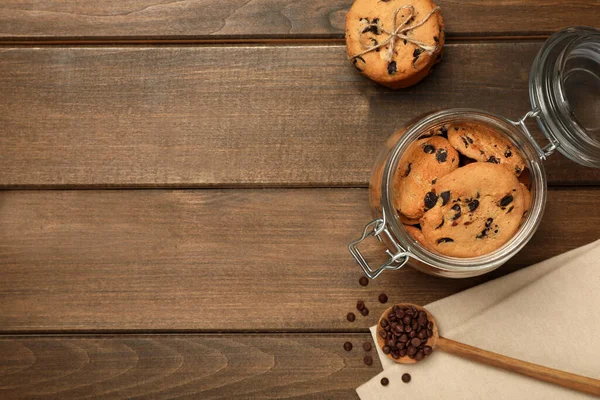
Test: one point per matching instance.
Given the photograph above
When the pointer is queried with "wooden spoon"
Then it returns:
(561, 378)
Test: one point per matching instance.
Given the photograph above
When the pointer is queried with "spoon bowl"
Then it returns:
(432, 341)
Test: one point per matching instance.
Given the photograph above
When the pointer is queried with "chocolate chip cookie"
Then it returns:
(477, 208)
(485, 144)
(425, 161)
(399, 60)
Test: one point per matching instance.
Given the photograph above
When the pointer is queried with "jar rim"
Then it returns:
(528, 227)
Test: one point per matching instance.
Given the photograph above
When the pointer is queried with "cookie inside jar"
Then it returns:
(462, 189)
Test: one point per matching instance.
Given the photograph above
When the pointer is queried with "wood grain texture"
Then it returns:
(266, 18)
(183, 367)
(230, 116)
(217, 260)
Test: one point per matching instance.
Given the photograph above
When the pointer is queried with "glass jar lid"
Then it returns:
(564, 88)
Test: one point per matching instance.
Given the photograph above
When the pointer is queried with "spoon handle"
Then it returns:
(562, 378)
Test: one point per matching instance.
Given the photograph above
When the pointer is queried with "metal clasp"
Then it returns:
(545, 152)
(377, 228)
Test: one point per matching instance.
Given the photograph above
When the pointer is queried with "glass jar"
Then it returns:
(565, 96)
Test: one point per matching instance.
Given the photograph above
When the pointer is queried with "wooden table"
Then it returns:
(181, 178)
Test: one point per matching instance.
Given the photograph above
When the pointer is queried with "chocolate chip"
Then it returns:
(456, 128)
(360, 305)
(383, 334)
(367, 346)
(415, 342)
(347, 346)
(464, 139)
(406, 378)
(383, 298)
(441, 224)
(384, 322)
(506, 200)
(488, 222)
(473, 205)
(429, 149)
(436, 39)
(427, 350)
(508, 153)
(385, 381)
(351, 317)
(493, 160)
(430, 325)
(355, 62)
(368, 360)
(417, 52)
(364, 281)
(404, 39)
(517, 170)
(430, 200)
(457, 210)
(412, 351)
(406, 319)
(441, 155)
(469, 139)
(419, 356)
(422, 334)
(403, 338)
(433, 182)
(386, 349)
(445, 240)
(403, 352)
(407, 170)
(364, 311)
(445, 197)
(392, 69)
(510, 209)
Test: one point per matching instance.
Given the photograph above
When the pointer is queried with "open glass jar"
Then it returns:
(565, 98)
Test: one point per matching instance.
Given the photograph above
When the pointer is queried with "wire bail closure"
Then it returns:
(378, 228)
(545, 152)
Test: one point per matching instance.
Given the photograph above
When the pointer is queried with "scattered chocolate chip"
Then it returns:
(517, 170)
(444, 130)
(510, 209)
(436, 39)
(385, 381)
(383, 298)
(508, 153)
(417, 52)
(429, 149)
(386, 349)
(407, 170)
(406, 378)
(368, 360)
(456, 128)
(367, 346)
(493, 160)
(445, 240)
(430, 200)
(506, 200)
(457, 210)
(360, 305)
(392, 68)
(473, 205)
(488, 226)
(441, 155)
(363, 281)
(464, 139)
(347, 346)
(433, 182)
(445, 197)
(488, 222)
(420, 355)
(469, 139)
(427, 350)
(364, 311)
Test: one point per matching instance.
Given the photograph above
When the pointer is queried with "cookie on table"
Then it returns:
(479, 208)
(485, 144)
(425, 161)
(369, 23)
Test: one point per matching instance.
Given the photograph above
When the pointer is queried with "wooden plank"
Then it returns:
(217, 260)
(39, 19)
(230, 116)
(184, 367)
